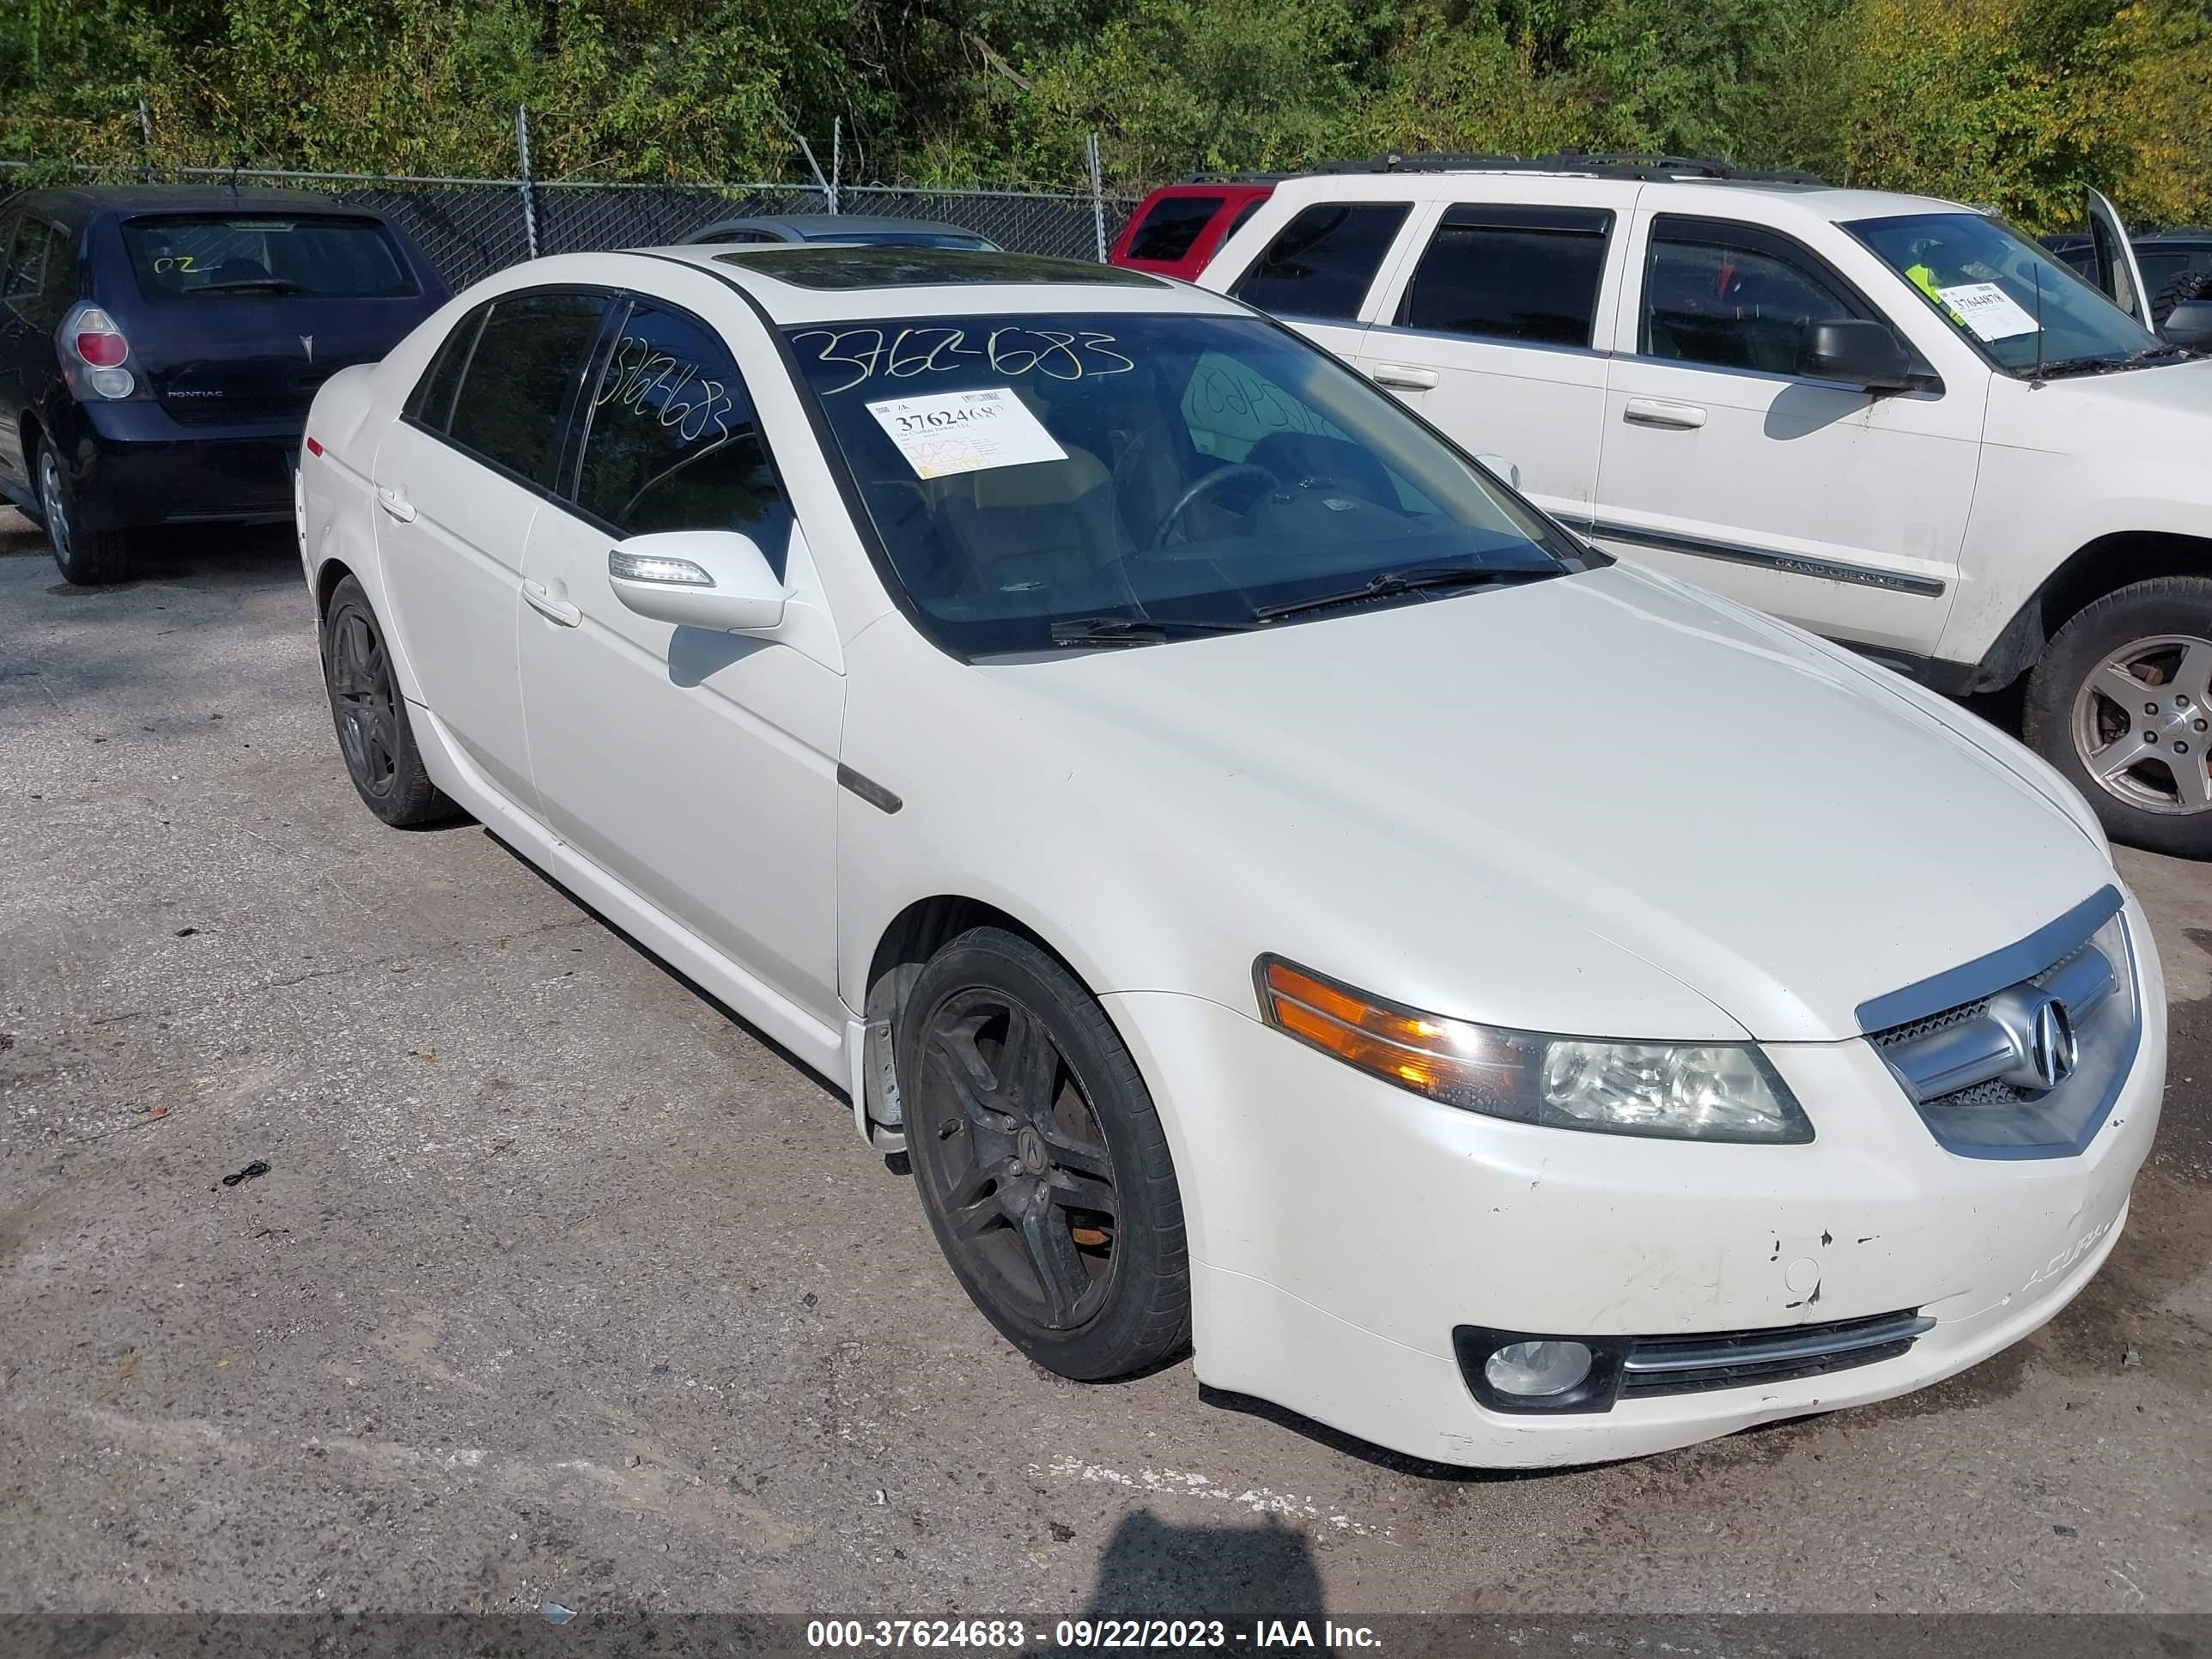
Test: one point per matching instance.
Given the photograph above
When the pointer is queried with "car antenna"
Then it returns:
(2036, 271)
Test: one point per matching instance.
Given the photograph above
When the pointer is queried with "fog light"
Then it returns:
(1536, 1370)
(111, 382)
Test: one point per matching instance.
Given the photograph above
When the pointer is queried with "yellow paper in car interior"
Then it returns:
(954, 432)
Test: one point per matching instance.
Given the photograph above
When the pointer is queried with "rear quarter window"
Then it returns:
(178, 257)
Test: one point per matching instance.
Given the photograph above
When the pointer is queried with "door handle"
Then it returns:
(1658, 411)
(393, 500)
(546, 605)
(1400, 374)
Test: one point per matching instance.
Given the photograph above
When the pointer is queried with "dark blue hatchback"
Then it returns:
(159, 345)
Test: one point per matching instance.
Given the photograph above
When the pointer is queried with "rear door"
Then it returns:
(15, 341)
(1318, 272)
(239, 317)
(1496, 329)
(459, 478)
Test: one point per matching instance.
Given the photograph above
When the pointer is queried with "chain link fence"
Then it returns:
(470, 228)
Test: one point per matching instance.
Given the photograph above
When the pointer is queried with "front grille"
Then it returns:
(1972, 1062)
(1734, 1359)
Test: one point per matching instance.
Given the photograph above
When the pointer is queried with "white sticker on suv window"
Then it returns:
(1988, 310)
(965, 431)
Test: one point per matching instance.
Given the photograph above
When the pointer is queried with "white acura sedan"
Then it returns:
(1285, 895)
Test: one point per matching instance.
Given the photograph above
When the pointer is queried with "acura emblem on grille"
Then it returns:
(2053, 1050)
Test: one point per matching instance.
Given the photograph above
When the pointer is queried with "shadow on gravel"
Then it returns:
(1153, 1568)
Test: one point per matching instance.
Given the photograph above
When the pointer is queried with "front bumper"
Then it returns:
(133, 466)
(1342, 1229)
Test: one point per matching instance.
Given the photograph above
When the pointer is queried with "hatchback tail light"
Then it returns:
(95, 353)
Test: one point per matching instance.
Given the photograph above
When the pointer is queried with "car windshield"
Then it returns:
(253, 255)
(1044, 481)
(1990, 284)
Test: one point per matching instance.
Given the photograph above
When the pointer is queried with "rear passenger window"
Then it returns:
(1511, 273)
(673, 443)
(515, 387)
(1734, 297)
(1173, 225)
(27, 260)
(431, 403)
(1321, 263)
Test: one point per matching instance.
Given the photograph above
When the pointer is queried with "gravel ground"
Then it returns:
(560, 1285)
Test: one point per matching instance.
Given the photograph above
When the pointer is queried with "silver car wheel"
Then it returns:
(53, 503)
(2143, 723)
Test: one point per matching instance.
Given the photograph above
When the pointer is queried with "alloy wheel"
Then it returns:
(1017, 1160)
(2143, 723)
(362, 691)
(54, 502)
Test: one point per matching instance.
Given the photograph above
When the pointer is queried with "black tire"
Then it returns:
(89, 558)
(2130, 752)
(1044, 1173)
(375, 737)
(2179, 290)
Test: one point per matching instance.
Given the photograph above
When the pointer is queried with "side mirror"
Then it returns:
(1863, 354)
(1503, 468)
(2189, 324)
(714, 579)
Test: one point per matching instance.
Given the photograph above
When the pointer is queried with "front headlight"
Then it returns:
(1679, 1091)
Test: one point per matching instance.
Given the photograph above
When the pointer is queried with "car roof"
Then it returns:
(825, 282)
(183, 198)
(819, 226)
(1683, 192)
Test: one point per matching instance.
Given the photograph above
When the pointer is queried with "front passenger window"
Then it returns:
(1710, 298)
(673, 442)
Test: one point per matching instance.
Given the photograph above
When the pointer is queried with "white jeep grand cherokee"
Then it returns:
(1836, 405)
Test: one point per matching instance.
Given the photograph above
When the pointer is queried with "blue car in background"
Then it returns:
(159, 345)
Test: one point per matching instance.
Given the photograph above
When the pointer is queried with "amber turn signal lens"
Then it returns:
(1443, 1059)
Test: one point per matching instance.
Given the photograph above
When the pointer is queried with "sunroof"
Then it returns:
(831, 267)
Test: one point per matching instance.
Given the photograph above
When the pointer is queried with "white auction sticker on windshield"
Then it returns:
(1988, 310)
(965, 431)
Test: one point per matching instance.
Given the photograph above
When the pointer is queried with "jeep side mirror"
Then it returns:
(1861, 353)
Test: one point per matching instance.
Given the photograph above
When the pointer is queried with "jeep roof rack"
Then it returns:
(1611, 165)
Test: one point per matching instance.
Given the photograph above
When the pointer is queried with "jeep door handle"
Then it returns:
(1658, 411)
(546, 605)
(393, 500)
(1402, 375)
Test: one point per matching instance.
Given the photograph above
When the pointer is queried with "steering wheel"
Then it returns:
(1213, 480)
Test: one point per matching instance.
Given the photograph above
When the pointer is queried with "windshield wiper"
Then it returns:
(2112, 364)
(248, 284)
(1138, 630)
(1390, 583)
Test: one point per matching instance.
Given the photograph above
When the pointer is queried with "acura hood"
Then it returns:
(1594, 804)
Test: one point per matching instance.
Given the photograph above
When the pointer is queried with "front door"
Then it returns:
(460, 478)
(697, 768)
(2117, 271)
(1825, 505)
